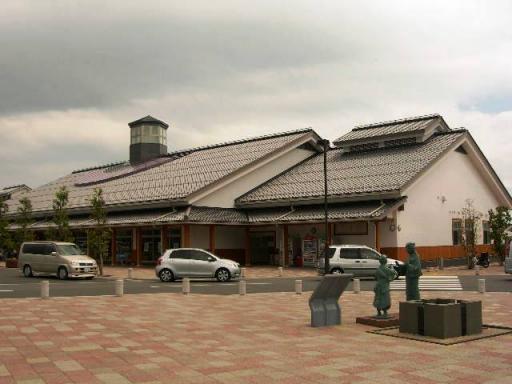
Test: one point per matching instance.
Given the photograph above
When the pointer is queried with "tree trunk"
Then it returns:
(101, 263)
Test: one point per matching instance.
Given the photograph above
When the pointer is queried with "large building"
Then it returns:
(260, 200)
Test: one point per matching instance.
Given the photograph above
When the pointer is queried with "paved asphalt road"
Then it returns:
(14, 285)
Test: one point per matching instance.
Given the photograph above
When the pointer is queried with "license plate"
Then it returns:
(87, 269)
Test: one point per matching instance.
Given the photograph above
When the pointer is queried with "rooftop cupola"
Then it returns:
(148, 139)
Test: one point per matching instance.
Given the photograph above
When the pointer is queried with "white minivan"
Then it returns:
(508, 259)
(359, 260)
(55, 257)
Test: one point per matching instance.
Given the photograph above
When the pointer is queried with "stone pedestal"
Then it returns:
(409, 319)
(471, 317)
(379, 322)
(442, 320)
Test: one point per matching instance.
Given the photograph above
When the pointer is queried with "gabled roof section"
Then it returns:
(392, 133)
(5, 193)
(148, 120)
(169, 183)
(377, 174)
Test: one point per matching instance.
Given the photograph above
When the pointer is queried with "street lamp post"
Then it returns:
(326, 216)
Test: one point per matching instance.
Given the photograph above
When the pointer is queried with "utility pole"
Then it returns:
(326, 247)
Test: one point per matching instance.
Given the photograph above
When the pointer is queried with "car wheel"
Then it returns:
(222, 275)
(27, 271)
(166, 275)
(62, 273)
(336, 271)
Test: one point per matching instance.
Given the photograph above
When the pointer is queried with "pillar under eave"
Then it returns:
(377, 235)
(186, 235)
(212, 238)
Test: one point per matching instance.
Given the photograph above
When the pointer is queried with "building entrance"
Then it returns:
(151, 246)
(263, 248)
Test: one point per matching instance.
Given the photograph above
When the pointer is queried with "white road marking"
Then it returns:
(431, 283)
(6, 290)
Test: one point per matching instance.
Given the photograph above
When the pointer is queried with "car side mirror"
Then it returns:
(211, 259)
(54, 253)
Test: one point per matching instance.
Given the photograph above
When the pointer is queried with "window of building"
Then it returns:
(151, 245)
(124, 244)
(457, 231)
(487, 232)
(174, 238)
(469, 231)
(148, 134)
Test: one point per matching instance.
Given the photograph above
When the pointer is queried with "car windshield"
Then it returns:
(69, 250)
(330, 253)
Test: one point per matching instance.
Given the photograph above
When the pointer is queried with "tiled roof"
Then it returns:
(366, 210)
(380, 170)
(171, 181)
(351, 211)
(386, 128)
(216, 215)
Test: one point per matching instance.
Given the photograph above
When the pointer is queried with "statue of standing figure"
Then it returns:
(413, 273)
(384, 276)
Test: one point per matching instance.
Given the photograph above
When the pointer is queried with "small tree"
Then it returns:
(60, 216)
(472, 222)
(6, 244)
(499, 220)
(24, 220)
(98, 237)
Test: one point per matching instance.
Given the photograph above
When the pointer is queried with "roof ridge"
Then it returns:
(99, 166)
(15, 186)
(397, 121)
(240, 141)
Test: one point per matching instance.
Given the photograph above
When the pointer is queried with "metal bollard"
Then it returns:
(130, 273)
(119, 287)
(280, 271)
(481, 285)
(441, 263)
(186, 286)
(357, 286)
(298, 287)
(242, 273)
(477, 270)
(242, 287)
(45, 289)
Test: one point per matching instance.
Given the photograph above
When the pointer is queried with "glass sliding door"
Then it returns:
(124, 241)
(151, 246)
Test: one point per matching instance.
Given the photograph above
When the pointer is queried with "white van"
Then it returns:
(508, 259)
(52, 257)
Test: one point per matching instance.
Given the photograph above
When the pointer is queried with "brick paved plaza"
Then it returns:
(260, 338)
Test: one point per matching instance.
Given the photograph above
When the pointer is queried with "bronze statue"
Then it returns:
(413, 273)
(384, 275)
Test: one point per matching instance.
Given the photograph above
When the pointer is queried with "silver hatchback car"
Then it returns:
(194, 262)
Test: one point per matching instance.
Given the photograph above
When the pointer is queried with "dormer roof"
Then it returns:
(392, 133)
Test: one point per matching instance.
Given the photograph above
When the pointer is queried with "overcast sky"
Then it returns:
(74, 73)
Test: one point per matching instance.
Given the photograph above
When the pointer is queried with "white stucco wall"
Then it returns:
(388, 233)
(427, 220)
(225, 196)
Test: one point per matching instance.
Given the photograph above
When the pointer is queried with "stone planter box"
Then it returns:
(441, 318)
